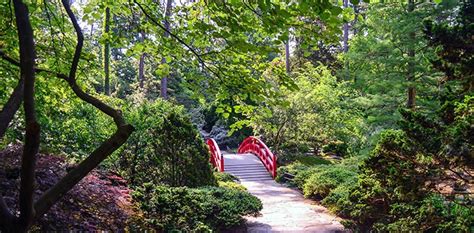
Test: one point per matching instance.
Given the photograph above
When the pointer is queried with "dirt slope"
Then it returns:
(101, 201)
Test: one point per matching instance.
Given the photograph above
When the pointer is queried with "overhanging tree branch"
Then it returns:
(11, 107)
(4, 56)
(37, 69)
(198, 56)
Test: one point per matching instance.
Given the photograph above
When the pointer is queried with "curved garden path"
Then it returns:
(284, 209)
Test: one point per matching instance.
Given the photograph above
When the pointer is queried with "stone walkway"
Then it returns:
(284, 209)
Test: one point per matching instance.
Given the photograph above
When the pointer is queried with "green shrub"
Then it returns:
(293, 169)
(432, 214)
(303, 175)
(392, 195)
(338, 199)
(225, 177)
(165, 148)
(337, 147)
(320, 183)
(387, 181)
(229, 181)
(193, 209)
(231, 185)
(302, 171)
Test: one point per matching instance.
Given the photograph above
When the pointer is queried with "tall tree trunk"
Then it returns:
(32, 135)
(107, 52)
(287, 56)
(345, 38)
(164, 80)
(141, 71)
(141, 64)
(411, 92)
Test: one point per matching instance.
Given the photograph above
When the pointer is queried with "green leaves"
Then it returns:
(311, 113)
(163, 148)
(202, 209)
(348, 14)
(163, 70)
(378, 58)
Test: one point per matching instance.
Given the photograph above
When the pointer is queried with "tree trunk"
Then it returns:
(141, 65)
(411, 92)
(287, 56)
(345, 38)
(164, 80)
(32, 135)
(107, 52)
(141, 68)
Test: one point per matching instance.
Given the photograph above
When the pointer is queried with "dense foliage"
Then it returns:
(165, 148)
(203, 209)
(71, 127)
(398, 186)
(315, 114)
(390, 55)
(416, 170)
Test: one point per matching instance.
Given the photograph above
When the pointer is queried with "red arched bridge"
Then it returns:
(253, 161)
(284, 209)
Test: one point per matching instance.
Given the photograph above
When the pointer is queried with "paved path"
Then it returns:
(284, 209)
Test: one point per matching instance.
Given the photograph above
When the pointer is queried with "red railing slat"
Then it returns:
(216, 159)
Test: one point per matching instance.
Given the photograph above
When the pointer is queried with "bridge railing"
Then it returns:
(217, 160)
(255, 146)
